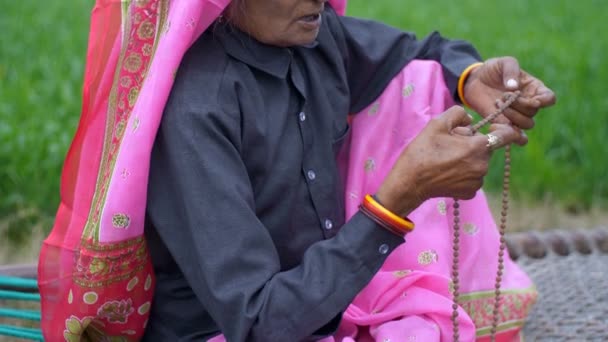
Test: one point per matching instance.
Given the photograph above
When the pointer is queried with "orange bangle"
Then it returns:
(385, 217)
(462, 80)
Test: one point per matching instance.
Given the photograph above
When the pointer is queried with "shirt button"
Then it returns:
(302, 116)
(311, 175)
(383, 249)
(328, 224)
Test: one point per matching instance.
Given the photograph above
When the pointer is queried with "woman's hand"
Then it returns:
(444, 160)
(488, 82)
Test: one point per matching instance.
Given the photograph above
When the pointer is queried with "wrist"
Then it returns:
(462, 81)
(398, 225)
(400, 205)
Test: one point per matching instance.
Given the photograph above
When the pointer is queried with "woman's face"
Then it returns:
(279, 22)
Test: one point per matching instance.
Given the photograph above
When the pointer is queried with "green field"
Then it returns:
(43, 44)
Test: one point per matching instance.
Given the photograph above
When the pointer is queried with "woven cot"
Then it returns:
(569, 268)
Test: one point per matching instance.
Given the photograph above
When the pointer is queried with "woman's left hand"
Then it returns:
(489, 81)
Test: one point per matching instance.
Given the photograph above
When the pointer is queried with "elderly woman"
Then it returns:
(246, 226)
(245, 216)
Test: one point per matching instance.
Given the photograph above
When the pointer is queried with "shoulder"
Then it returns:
(205, 80)
(339, 25)
(347, 27)
(341, 30)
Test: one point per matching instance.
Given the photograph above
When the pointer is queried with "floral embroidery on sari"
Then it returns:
(515, 307)
(116, 311)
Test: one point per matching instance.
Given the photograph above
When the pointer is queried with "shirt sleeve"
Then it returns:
(201, 203)
(374, 53)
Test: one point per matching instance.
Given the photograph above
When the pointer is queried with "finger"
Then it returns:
(507, 135)
(499, 136)
(518, 119)
(464, 131)
(519, 135)
(468, 190)
(501, 119)
(456, 116)
(510, 72)
(545, 97)
(526, 106)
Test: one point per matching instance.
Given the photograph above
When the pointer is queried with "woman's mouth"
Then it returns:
(311, 18)
(311, 21)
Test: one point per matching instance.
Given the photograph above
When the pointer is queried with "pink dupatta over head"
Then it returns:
(95, 274)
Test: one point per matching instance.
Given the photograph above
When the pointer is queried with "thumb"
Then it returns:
(510, 72)
(509, 134)
(455, 116)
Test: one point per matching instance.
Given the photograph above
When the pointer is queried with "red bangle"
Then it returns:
(384, 217)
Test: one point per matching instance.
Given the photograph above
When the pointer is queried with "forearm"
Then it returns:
(331, 274)
(240, 283)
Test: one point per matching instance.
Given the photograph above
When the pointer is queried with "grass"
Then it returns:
(42, 51)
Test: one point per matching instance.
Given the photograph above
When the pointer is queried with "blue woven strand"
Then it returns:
(16, 282)
(19, 332)
(16, 295)
(31, 315)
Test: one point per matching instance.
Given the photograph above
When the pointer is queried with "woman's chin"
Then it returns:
(302, 38)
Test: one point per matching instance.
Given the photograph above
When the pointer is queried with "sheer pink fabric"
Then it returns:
(410, 299)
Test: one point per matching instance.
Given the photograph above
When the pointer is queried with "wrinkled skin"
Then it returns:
(278, 22)
(497, 75)
(446, 159)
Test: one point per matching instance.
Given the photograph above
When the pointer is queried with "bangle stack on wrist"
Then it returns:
(392, 222)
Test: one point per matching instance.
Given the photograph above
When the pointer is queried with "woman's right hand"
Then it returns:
(445, 160)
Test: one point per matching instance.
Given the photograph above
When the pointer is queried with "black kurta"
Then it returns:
(245, 213)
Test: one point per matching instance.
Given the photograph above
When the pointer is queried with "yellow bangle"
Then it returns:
(462, 80)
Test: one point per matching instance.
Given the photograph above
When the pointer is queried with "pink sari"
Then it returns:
(95, 274)
(410, 296)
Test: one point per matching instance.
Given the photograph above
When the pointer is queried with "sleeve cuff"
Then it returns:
(369, 242)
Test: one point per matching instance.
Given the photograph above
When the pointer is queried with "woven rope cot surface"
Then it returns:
(570, 270)
(19, 304)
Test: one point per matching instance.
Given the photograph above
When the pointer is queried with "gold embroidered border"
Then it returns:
(112, 143)
(122, 98)
(83, 282)
(101, 268)
(516, 306)
(490, 294)
(501, 327)
(89, 230)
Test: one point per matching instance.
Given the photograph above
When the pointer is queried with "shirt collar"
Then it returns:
(273, 60)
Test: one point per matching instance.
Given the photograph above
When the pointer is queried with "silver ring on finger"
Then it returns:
(494, 141)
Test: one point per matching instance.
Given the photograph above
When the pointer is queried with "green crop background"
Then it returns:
(42, 55)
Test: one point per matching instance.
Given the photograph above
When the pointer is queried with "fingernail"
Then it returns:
(523, 134)
(470, 116)
(512, 83)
